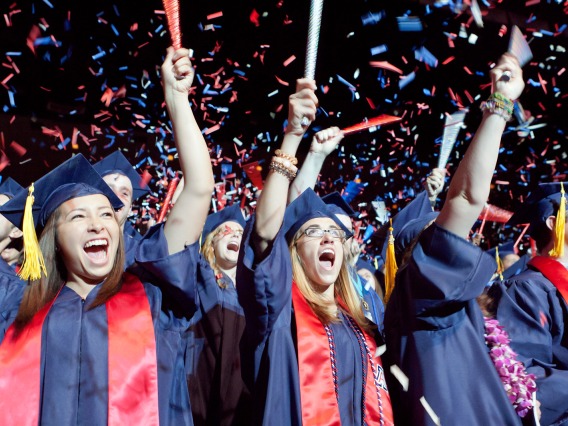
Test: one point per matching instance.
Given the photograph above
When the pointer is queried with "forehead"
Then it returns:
(321, 222)
(230, 224)
(88, 201)
(118, 180)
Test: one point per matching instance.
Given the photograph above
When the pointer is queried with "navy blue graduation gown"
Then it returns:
(434, 332)
(11, 293)
(269, 354)
(218, 394)
(536, 317)
(131, 239)
(74, 368)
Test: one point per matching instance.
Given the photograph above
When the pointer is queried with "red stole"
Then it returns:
(554, 271)
(317, 391)
(133, 381)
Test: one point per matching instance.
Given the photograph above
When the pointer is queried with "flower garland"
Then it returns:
(519, 385)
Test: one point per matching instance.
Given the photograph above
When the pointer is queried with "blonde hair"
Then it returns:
(208, 252)
(344, 291)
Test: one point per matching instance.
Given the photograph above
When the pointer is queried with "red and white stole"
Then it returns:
(133, 373)
(554, 271)
(317, 391)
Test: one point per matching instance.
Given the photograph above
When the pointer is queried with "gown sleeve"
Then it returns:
(435, 334)
(11, 293)
(269, 360)
(174, 274)
(264, 287)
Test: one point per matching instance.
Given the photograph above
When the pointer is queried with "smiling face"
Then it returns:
(321, 257)
(87, 237)
(227, 243)
(122, 187)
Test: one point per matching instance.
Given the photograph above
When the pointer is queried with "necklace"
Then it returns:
(519, 385)
(365, 355)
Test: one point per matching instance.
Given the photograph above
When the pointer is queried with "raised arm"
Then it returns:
(470, 185)
(186, 219)
(324, 143)
(272, 201)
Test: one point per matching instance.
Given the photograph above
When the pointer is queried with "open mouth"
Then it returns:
(327, 258)
(233, 246)
(96, 249)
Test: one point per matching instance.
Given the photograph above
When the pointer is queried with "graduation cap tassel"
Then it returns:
(558, 249)
(499, 263)
(390, 266)
(33, 263)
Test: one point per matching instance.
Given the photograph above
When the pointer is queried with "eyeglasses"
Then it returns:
(319, 232)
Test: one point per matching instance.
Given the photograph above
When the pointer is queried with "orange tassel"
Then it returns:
(558, 236)
(390, 266)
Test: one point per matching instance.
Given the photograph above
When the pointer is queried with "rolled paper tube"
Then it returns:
(316, 8)
(381, 120)
(314, 25)
(171, 7)
(167, 201)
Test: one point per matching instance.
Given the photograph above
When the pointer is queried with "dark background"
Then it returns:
(82, 49)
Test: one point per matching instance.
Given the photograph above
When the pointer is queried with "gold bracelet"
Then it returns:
(287, 164)
(282, 154)
(277, 167)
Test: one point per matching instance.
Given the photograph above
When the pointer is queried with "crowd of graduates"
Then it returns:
(273, 318)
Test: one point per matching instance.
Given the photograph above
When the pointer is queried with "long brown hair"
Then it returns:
(40, 292)
(343, 291)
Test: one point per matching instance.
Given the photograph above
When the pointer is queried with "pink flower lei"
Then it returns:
(519, 385)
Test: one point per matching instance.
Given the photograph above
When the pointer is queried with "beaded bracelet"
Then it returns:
(287, 164)
(499, 105)
(278, 167)
(282, 154)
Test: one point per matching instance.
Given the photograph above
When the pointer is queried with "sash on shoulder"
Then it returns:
(554, 271)
(133, 372)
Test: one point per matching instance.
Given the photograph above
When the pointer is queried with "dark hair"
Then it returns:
(40, 292)
(540, 232)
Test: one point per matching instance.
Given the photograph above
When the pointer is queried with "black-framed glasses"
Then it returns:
(319, 232)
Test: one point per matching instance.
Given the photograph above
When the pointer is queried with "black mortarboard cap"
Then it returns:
(504, 249)
(338, 205)
(539, 205)
(73, 178)
(117, 163)
(30, 210)
(10, 187)
(406, 224)
(306, 207)
(365, 264)
(232, 213)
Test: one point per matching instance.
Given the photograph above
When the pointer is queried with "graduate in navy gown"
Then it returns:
(87, 343)
(127, 184)
(532, 305)
(441, 369)
(308, 352)
(218, 394)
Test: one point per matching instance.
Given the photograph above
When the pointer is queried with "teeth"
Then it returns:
(328, 251)
(96, 243)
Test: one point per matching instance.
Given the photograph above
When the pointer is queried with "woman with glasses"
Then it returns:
(308, 354)
(218, 394)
